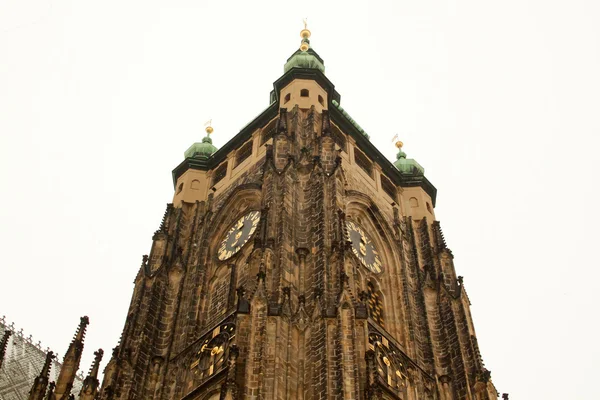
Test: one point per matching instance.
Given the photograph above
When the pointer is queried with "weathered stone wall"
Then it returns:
(292, 314)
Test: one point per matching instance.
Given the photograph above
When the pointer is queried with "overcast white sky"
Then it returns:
(498, 100)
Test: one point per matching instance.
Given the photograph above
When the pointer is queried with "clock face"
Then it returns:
(363, 247)
(238, 235)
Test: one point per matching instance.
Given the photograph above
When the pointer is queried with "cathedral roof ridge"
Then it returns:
(352, 121)
(5, 326)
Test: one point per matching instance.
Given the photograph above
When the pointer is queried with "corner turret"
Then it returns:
(202, 149)
(407, 165)
(417, 201)
(193, 184)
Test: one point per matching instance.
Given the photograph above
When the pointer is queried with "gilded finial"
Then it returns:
(399, 144)
(305, 34)
(209, 129)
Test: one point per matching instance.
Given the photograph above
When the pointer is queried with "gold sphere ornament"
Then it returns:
(304, 33)
(209, 129)
(304, 46)
(399, 144)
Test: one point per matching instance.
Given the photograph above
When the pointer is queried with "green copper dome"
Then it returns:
(204, 149)
(407, 166)
(304, 59)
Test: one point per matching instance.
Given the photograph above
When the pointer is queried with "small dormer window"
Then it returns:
(304, 93)
(287, 98)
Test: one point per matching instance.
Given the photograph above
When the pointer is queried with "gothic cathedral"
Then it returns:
(296, 262)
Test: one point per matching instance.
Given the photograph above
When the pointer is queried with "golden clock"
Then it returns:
(238, 235)
(363, 247)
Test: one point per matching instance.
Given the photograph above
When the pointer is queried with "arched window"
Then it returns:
(180, 188)
(304, 93)
(195, 184)
(429, 208)
(375, 305)
(287, 98)
(414, 203)
(321, 100)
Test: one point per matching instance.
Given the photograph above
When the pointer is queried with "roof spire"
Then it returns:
(400, 154)
(209, 129)
(305, 56)
(40, 384)
(304, 34)
(89, 390)
(407, 166)
(64, 383)
(204, 149)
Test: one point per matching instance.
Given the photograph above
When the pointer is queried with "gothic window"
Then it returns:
(287, 98)
(304, 93)
(363, 162)
(428, 207)
(375, 305)
(388, 187)
(321, 100)
(195, 184)
(179, 188)
(243, 153)
(220, 173)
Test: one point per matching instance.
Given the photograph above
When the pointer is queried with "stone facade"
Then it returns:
(294, 314)
(300, 304)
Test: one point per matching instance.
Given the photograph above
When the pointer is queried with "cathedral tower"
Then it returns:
(297, 262)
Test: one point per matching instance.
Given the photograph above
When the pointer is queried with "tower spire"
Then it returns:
(64, 383)
(407, 166)
(305, 56)
(205, 148)
(305, 35)
(3, 345)
(89, 390)
(40, 384)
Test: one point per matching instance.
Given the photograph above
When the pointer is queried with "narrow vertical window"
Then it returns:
(375, 305)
